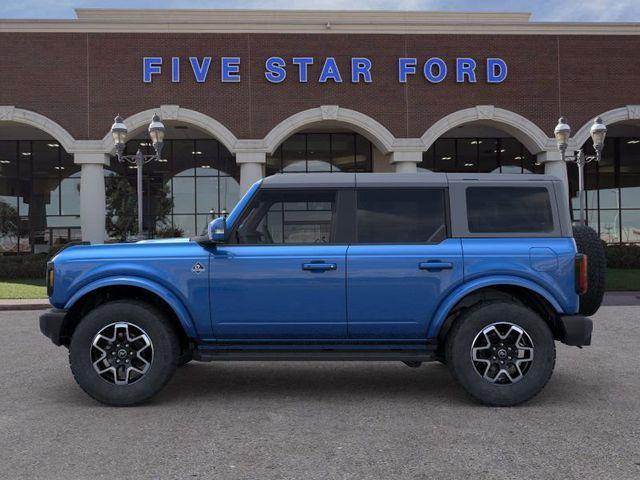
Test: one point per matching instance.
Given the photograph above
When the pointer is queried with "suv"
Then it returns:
(479, 272)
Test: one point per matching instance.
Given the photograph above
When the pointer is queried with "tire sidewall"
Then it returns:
(165, 353)
(460, 342)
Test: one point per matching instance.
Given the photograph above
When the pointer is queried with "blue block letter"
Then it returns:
(496, 70)
(230, 69)
(303, 67)
(150, 66)
(406, 66)
(200, 71)
(360, 67)
(428, 70)
(465, 67)
(175, 69)
(275, 69)
(330, 71)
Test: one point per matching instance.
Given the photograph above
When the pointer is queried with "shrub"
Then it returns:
(623, 256)
(23, 266)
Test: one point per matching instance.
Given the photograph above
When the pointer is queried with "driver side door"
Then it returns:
(283, 274)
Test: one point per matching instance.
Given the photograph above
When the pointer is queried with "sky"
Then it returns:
(542, 10)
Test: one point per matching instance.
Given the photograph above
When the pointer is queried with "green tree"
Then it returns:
(9, 221)
(122, 207)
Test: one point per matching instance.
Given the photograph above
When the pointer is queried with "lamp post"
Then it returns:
(119, 133)
(562, 133)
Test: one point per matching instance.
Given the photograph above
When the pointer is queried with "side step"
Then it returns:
(412, 355)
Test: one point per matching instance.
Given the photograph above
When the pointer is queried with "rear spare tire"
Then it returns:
(589, 243)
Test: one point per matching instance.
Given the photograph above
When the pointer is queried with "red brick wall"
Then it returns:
(82, 80)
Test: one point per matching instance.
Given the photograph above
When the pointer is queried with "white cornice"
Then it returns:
(302, 21)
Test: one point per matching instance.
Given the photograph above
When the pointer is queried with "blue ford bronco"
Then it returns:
(479, 272)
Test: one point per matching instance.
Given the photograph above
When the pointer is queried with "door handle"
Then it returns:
(435, 266)
(319, 267)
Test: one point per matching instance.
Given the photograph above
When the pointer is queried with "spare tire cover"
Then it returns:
(588, 242)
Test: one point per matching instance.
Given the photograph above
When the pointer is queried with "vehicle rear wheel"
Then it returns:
(124, 352)
(502, 353)
(589, 243)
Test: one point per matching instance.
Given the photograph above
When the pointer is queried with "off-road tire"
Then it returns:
(589, 243)
(458, 351)
(166, 351)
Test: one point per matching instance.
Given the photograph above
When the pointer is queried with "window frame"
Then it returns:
(460, 223)
(445, 204)
(338, 219)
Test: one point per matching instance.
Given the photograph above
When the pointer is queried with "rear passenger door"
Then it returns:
(402, 263)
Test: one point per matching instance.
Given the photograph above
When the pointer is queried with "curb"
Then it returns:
(17, 305)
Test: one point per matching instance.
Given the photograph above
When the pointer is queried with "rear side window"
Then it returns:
(509, 210)
(401, 215)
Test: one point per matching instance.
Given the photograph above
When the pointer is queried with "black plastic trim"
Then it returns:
(51, 324)
(576, 330)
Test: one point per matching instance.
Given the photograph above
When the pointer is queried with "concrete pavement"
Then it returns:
(323, 420)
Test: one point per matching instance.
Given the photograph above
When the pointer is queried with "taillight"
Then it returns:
(582, 284)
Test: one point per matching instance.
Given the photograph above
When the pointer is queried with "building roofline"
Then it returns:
(311, 21)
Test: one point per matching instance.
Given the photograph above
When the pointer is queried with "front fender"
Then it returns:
(462, 291)
(174, 302)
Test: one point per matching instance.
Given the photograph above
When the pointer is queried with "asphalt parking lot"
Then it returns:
(323, 420)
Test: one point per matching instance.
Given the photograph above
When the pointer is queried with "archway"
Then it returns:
(328, 139)
(39, 184)
(612, 185)
(196, 179)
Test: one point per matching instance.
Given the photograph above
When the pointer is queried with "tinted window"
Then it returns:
(279, 217)
(401, 216)
(509, 209)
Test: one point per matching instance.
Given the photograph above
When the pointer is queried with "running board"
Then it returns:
(212, 355)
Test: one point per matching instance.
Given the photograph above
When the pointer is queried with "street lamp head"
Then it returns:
(598, 133)
(156, 132)
(562, 133)
(119, 133)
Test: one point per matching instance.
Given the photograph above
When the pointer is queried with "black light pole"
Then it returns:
(119, 133)
(562, 133)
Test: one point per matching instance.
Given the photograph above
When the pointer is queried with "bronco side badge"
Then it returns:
(197, 268)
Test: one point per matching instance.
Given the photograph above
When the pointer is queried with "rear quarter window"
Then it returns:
(509, 210)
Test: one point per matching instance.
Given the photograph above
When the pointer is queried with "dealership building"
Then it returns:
(247, 94)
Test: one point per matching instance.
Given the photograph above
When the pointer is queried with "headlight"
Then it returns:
(50, 278)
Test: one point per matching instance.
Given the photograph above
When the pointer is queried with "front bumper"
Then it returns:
(575, 330)
(51, 324)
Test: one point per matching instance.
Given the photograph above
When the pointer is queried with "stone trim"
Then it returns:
(532, 136)
(10, 113)
(382, 138)
(629, 112)
(177, 113)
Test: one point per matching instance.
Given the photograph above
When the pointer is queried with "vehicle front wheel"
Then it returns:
(502, 353)
(124, 352)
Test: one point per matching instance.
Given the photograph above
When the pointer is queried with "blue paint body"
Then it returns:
(318, 292)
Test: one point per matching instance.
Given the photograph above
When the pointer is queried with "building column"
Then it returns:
(553, 165)
(92, 195)
(406, 162)
(251, 168)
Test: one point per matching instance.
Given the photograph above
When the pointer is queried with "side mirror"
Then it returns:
(218, 230)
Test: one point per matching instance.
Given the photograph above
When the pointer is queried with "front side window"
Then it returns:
(401, 215)
(509, 210)
(289, 217)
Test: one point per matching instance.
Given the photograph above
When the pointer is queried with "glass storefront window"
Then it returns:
(199, 177)
(612, 190)
(39, 195)
(322, 152)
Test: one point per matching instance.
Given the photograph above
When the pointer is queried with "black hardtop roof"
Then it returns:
(420, 179)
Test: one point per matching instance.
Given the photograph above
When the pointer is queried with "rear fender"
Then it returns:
(174, 303)
(449, 302)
